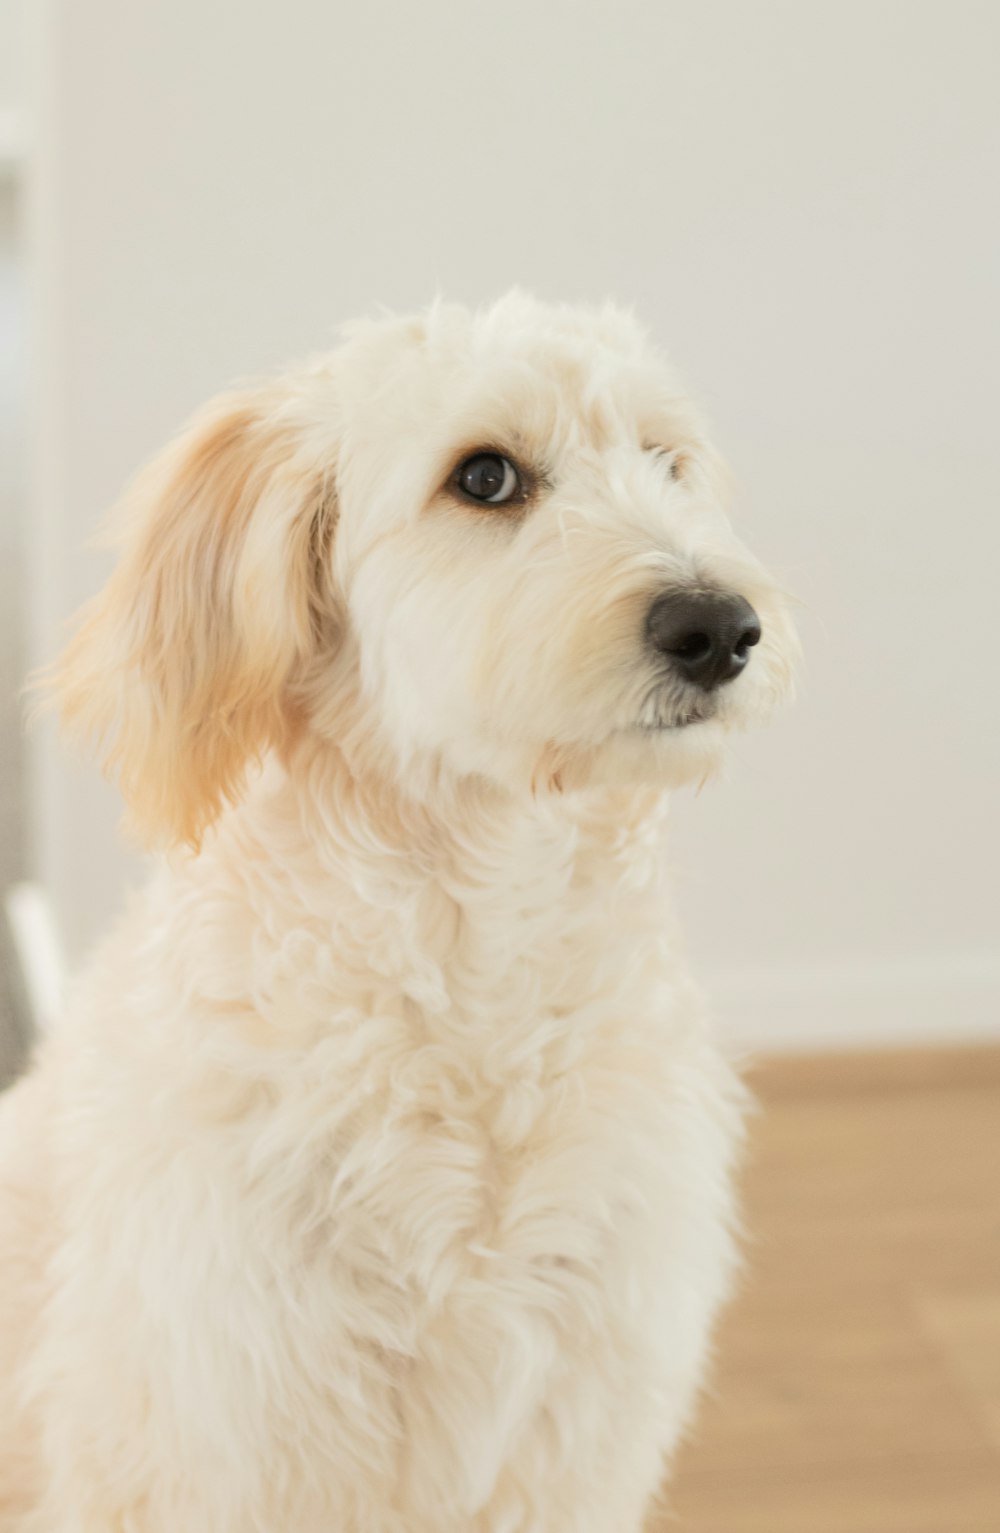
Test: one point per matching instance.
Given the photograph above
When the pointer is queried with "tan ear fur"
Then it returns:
(182, 664)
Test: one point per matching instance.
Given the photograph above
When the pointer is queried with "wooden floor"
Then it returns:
(858, 1381)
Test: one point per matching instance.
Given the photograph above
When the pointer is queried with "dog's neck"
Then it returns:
(463, 904)
(469, 828)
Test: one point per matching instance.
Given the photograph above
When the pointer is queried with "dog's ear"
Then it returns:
(182, 667)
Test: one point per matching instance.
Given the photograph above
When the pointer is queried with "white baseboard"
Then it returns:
(878, 1004)
(38, 952)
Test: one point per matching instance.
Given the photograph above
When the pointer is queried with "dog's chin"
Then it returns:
(685, 748)
(643, 755)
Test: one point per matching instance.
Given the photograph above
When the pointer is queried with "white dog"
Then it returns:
(379, 1181)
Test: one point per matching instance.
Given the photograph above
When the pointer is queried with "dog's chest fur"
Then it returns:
(467, 1141)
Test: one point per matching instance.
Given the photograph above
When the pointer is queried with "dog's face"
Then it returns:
(537, 567)
(491, 545)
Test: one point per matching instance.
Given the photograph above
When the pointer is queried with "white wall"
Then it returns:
(11, 58)
(799, 199)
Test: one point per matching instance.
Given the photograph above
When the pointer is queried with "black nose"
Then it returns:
(707, 635)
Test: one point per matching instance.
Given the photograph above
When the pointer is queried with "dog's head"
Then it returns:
(487, 545)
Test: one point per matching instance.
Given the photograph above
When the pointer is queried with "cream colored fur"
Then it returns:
(378, 1180)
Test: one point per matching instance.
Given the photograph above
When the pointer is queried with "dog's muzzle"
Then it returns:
(707, 636)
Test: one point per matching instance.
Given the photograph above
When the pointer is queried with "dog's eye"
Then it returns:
(490, 478)
(670, 459)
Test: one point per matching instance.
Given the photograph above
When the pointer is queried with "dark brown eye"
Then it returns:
(488, 477)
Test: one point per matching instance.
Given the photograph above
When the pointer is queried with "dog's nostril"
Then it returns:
(748, 638)
(706, 635)
(750, 635)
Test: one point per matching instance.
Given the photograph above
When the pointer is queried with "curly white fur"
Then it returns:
(379, 1181)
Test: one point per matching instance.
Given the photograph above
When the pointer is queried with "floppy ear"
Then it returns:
(181, 668)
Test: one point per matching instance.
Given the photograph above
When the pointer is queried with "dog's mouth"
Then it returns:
(675, 723)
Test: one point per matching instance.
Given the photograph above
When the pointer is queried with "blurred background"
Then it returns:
(800, 201)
